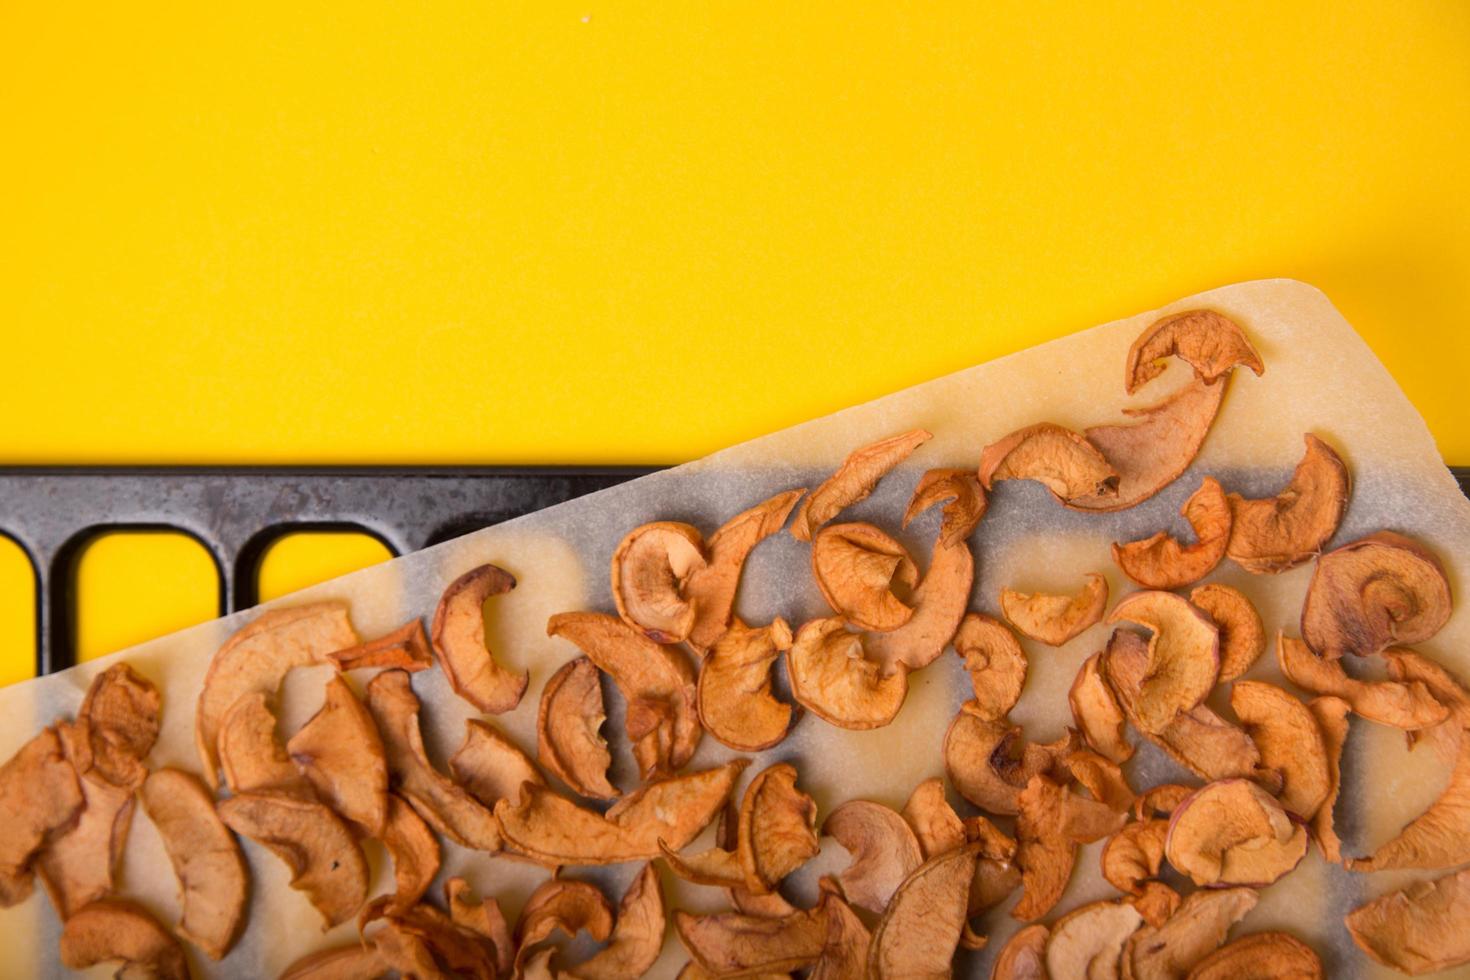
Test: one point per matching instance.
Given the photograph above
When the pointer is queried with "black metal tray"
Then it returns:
(237, 513)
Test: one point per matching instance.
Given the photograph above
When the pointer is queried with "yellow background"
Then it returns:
(582, 232)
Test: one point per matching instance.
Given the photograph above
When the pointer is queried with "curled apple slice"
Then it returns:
(777, 829)
(42, 799)
(1183, 656)
(990, 763)
(936, 826)
(1378, 591)
(736, 705)
(1086, 941)
(406, 648)
(637, 935)
(832, 677)
(1260, 956)
(458, 633)
(854, 480)
(1242, 637)
(1210, 342)
(1068, 465)
(1098, 715)
(114, 929)
(568, 741)
(995, 662)
(650, 569)
(1406, 704)
(856, 567)
(884, 851)
(735, 944)
(1419, 929)
(1051, 824)
(922, 924)
(1023, 957)
(1196, 930)
(1290, 741)
(1161, 562)
(1273, 534)
(1055, 619)
(1232, 832)
(340, 752)
(1437, 838)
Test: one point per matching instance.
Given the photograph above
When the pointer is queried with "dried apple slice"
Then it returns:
(251, 757)
(406, 648)
(712, 588)
(1290, 741)
(1152, 452)
(884, 851)
(483, 918)
(1210, 342)
(1059, 459)
(1232, 832)
(1161, 562)
(935, 824)
(1171, 950)
(415, 853)
(458, 634)
(1087, 942)
(116, 727)
(637, 936)
(1273, 534)
(1437, 838)
(568, 720)
(445, 804)
(854, 480)
(994, 661)
(1134, 855)
(856, 567)
(921, 926)
(1406, 667)
(565, 904)
(424, 942)
(1331, 717)
(490, 765)
(734, 944)
(553, 829)
(940, 600)
(1097, 712)
(845, 952)
(325, 861)
(257, 658)
(1242, 637)
(1101, 777)
(1055, 619)
(1161, 800)
(990, 763)
(340, 752)
(1400, 704)
(213, 880)
(40, 800)
(832, 677)
(735, 701)
(113, 929)
(777, 829)
(650, 568)
(1183, 656)
(657, 681)
(1260, 956)
(1377, 591)
(355, 962)
(1051, 823)
(1419, 929)
(1023, 957)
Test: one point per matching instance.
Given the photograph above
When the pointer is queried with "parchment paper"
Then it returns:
(1320, 378)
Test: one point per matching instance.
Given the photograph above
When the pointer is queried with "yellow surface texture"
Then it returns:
(608, 233)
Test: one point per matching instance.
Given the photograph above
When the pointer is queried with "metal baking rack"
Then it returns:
(237, 513)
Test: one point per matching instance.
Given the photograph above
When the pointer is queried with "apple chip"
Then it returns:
(856, 567)
(1373, 593)
(845, 952)
(884, 851)
(650, 569)
(1055, 619)
(424, 942)
(355, 962)
(1171, 950)
(1260, 956)
(1088, 942)
(990, 763)
(1331, 717)
(1059, 459)
(340, 752)
(80, 865)
(734, 944)
(935, 824)
(251, 756)
(735, 701)
(568, 742)
(114, 929)
(415, 853)
(712, 588)
(940, 600)
(1161, 800)
(315, 844)
(1290, 741)
(1051, 824)
(1161, 562)
(445, 804)
(1097, 712)
(1210, 342)
(994, 661)
(833, 678)
(777, 829)
(458, 633)
(406, 648)
(40, 800)
(1419, 929)
(1273, 534)
(213, 880)
(1134, 855)
(256, 659)
(483, 918)
(854, 480)
(1406, 704)
(1232, 832)
(1242, 637)
(921, 926)
(637, 936)
(1406, 667)
(490, 765)
(550, 828)
(1023, 957)
(565, 904)
(1183, 656)
(1437, 838)
(1101, 777)
(116, 727)
(657, 681)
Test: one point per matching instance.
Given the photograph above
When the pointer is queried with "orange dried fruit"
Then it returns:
(995, 662)
(1023, 957)
(1134, 855)
(339, 963)
(854, 480)
(990, 763)
(214, 883)
(1375, 592)
(1437, 838)
(81, 864)
(1088, 941)
(735, 944)
(637, 935)
(1183, 656)
(1419, 929)
(1068, 465)
(1272, 534)
(1242, 637)
(1406, 704)
(116, 727)
(415, 853)
(1210, 342)
(845, 951)
(856, 567)
(483, 918)
(650, 570)
(406, 648)
(1290, 741)
(490, 765)
(568, 723)
(40, 800)
(113, 929)
(1160, 800)
(257, 658)
(1101, 777)
(777, 828)
(325, 861)
(1232, 832)
(251, 756)
(1170, 950)
(1161, 562)
(1331, 716)
(921, 927)
(562, 904)
(656, 680)
(340, 752)
(458, 634)
(736, 705)
(1051, 823)
(1055, 619)
(832, 676)
(1098, 715)
(884, 851)
(935, 824)
(1407, 667)
(443, 803)
(1260, 956)
(712, 588)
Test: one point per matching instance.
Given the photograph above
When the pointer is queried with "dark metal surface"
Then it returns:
(237, 513)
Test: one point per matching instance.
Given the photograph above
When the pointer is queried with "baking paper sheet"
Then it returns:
(1320, 378)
